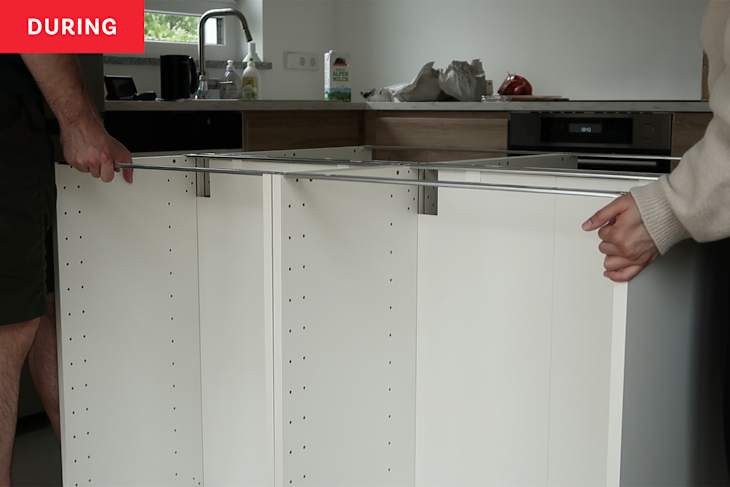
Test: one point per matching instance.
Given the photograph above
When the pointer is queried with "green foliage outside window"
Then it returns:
(170, 27)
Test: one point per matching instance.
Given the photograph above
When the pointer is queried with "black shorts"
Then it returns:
(27, 210)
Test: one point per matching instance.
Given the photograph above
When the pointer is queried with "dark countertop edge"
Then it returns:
(315, 105)
(231, 106)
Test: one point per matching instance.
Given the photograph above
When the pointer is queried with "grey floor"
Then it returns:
(37, 459)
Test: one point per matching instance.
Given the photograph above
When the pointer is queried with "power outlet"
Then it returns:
(302, 61)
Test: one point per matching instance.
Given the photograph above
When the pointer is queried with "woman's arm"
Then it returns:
(694, 201)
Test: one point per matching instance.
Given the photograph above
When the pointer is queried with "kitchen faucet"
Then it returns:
(220, 12)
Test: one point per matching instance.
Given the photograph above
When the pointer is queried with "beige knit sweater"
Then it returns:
(694, 201)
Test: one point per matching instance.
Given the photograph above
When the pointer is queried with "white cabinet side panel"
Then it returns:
(128, 302)
(346, 331)
(484, 324)
(675, 368)
(235, 359)
(581, 350)
(617, 385)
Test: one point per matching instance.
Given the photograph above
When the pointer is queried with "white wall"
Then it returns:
(582, 49)
(296, 25)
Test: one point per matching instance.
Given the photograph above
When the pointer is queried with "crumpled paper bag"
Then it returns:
(425, 87)
(464, 81)
(460, 81)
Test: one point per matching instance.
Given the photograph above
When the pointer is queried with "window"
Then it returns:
(171, 27)
(181, 28)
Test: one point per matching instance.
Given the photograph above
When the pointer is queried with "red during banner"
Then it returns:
(72, 26)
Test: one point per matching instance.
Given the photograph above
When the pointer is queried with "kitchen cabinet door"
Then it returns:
(447, 132)
(263, 131)
(687, 130)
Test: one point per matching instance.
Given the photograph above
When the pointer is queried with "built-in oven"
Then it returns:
(599, 138)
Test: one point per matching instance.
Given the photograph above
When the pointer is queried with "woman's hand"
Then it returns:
(625, 242)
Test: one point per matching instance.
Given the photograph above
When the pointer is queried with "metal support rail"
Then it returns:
(525, 164)
(235, 156)
(637, 157)
(488, 163)
(382, 180)
(566, 164)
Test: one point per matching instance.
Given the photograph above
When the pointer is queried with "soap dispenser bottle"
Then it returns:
(231, 86)
(250, 82)
(252, 54)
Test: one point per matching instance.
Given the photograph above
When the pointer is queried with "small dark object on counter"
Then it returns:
(515, 85)
(123, 88)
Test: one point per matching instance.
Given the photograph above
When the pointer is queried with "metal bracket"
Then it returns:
(202, 179)
(428, 196)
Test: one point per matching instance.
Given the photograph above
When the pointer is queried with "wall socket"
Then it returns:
(302, 61)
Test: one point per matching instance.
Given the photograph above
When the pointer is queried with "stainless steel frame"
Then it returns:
(634, 157)
(526, 163)
(546, 163)
(553, 164)
(378, 180)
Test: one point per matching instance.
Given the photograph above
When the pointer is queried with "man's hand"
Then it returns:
(626, 243)
(86, 144)
(89, 148)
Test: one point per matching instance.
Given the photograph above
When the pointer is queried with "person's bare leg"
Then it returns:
(43, 365)
(15, 343)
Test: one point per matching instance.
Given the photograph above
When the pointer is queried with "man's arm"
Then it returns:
(86, 144)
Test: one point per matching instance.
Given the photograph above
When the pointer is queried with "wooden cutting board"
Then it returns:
(527, 98)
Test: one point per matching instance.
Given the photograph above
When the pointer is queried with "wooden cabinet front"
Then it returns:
(301, 129)
(437, 136)
(687, 130)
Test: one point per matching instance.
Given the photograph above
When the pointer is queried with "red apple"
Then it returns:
(515, 85)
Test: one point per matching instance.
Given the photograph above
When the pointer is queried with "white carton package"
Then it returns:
(337, 77)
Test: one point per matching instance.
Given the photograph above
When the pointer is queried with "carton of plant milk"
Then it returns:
(337, 77)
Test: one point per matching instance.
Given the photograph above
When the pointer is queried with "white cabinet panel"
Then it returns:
(236, 333)
(485, 301)
(581, 350)
(293, 332)
(344, 281)
(236, 356)
(676, 346)
(128, 317)
(515, 331)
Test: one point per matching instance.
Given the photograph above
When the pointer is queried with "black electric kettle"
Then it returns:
(178, 77)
